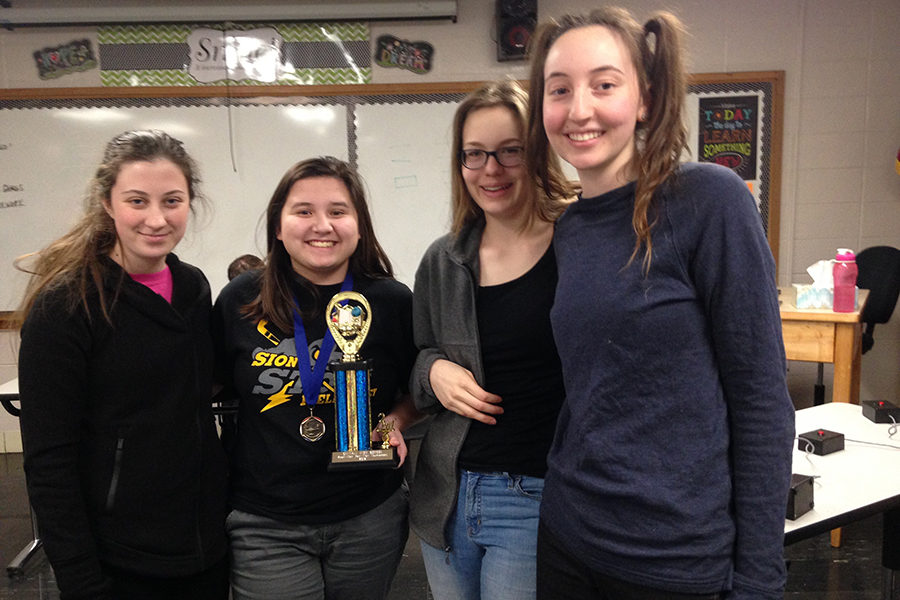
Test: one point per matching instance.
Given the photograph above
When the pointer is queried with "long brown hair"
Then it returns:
(275, 300)
(660, 139)
(509, 94)
(76, 260)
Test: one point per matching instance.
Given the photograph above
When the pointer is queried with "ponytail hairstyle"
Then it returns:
(275, 301)
(656, 51)
(76, 261)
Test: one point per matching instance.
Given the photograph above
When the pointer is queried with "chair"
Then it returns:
(879, 272)
(16, 568)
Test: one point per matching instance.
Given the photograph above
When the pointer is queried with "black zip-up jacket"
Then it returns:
(121, 456)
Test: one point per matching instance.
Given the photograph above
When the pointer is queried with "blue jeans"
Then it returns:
(493, 540)
(348, 560)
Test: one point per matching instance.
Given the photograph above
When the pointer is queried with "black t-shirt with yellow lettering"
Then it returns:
(275, 472)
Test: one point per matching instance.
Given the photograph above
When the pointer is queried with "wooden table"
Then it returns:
(824, 336)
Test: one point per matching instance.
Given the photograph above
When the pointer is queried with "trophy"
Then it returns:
(349, 317)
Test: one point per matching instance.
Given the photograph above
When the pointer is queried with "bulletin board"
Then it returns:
(735, 119)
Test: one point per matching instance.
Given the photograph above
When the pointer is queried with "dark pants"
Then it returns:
(354, 559)
(211, 584)
(563, 576)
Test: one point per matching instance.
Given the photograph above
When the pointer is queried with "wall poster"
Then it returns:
(728, 132)
(735, 120)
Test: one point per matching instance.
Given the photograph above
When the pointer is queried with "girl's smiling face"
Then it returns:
(496, 189)
(591, 106)
(319, 229)
(150, 204)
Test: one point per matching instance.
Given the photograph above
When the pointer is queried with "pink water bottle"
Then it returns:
(845, 272)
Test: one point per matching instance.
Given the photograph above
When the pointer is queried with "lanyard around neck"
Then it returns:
(311, 378)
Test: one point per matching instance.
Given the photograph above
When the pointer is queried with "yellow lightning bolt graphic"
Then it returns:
(282, 396)
(279, 397)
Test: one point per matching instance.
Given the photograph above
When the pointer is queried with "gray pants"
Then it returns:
(349, 560)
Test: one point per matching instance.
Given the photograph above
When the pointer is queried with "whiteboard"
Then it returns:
(400, 145)
(408, 174)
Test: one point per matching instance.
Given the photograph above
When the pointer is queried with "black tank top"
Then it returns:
(522, 367)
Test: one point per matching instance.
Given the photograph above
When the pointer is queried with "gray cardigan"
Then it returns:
(444, 326)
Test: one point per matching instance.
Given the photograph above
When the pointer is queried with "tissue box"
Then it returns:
(811, 296)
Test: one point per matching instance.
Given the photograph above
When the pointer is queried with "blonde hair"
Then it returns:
(508, 94)
(656, 50)
(75, 260)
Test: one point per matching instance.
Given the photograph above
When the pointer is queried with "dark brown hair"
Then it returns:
(244, 262)
(275, 300)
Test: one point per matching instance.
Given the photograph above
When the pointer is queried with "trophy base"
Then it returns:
(381, 458)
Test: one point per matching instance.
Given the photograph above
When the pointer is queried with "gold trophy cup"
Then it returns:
(349, 318)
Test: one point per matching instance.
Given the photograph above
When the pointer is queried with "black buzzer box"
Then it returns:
(800, 498)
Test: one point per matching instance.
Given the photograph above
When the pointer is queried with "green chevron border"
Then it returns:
(173, 77)
(139, 78)
(323, 32)
(143, 34)
(178, 34)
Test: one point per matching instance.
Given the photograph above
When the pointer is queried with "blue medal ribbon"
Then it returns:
(311, 378)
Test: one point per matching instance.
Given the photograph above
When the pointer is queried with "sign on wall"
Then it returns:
(280, 54)
(55, 62)
(735, 120)
(392, 52)
(728, 133)
(217, 55)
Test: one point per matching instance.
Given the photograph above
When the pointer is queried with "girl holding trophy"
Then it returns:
(298, 530)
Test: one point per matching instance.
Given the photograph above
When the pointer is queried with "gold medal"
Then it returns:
(312, 428)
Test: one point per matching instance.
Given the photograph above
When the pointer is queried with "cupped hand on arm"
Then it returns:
(457, 390)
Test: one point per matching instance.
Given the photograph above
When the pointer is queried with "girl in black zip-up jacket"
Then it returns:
(124, 470)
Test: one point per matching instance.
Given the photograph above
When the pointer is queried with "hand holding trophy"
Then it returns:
(349, 318)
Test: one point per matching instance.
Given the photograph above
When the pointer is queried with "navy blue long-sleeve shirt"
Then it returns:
(672, 457)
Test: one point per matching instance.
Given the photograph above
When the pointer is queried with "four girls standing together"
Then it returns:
(599, 363)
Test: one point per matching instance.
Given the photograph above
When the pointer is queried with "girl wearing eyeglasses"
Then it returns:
(487, 366)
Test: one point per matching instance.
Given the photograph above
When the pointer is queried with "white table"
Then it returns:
(860, 481)
(9, 393)
(10, 388)
(857, 482)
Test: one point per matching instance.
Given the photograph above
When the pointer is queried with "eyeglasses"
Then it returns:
(510, 156)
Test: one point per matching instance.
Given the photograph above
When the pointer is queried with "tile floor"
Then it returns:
(816, 571)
